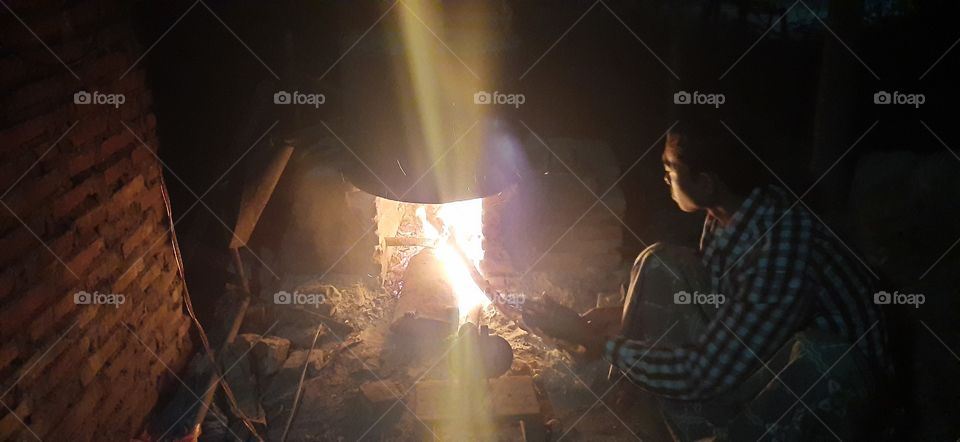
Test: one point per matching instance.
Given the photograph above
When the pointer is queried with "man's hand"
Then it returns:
(556, 321)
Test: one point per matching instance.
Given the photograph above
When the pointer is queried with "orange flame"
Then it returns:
(466, 219)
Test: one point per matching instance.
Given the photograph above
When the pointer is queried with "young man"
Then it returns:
(768, 331)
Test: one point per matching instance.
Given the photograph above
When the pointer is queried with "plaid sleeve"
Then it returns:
(766, 308)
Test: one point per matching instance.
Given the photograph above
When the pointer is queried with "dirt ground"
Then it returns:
(333, 409)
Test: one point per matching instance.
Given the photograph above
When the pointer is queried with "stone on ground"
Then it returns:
(270, 353)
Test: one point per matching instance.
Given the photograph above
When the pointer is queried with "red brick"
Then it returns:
(31, 160)
(109, 319)
(35, 264)
(84, 316)
(79, 161)
(79, 412)
(96, 360)
(164, 284)
(26, 131)
(116, 142)
(95, 200)
(132, 108)
(42, 322)
(87, 223)
(40, 94)
(130, 274)
(70, 200)
(88, 129)
(106, 268)
(10, 423)
(9, 352)
(45, 354)
(129, 357)
(53, 315)
(125, 195)
(106, 68)
(118, 170)
(143, 155)
(82, 261)
(23, 199)
(136, 238)
(151, 121)
(10, 172)
(8, 281)
(63, 368)
(152, 200)
(15, 244)
(15, 314)
(148, 277)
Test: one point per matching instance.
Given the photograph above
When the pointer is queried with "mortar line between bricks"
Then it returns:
(19, 419)
(41, 241)
(27, 371)
(199, 198)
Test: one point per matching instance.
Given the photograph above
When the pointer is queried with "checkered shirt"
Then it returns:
(780, 271)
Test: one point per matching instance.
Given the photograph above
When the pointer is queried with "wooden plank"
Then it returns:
(510, 397)
(256, 195)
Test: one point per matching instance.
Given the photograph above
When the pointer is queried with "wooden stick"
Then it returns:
(400, 241)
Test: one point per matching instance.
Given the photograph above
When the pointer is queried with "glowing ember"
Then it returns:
(465, 218)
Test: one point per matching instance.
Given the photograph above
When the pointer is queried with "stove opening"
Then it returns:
(452, 232)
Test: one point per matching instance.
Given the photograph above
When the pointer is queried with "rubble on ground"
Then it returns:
(354, 377)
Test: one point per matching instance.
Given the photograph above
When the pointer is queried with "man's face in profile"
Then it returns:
(683, 187)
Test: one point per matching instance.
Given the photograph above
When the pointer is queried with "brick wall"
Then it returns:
(82, 210)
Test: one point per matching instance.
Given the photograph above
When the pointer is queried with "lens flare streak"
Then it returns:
(466, 218)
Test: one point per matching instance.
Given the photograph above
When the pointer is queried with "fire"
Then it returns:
(465, 218)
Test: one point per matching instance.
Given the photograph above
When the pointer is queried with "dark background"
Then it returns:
(598, 82)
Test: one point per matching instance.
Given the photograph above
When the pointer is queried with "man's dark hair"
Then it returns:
(708, 147)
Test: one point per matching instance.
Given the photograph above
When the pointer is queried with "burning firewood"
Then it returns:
(427, 304)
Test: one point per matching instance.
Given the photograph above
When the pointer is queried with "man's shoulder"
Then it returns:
(776, 206)
(778, 216)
